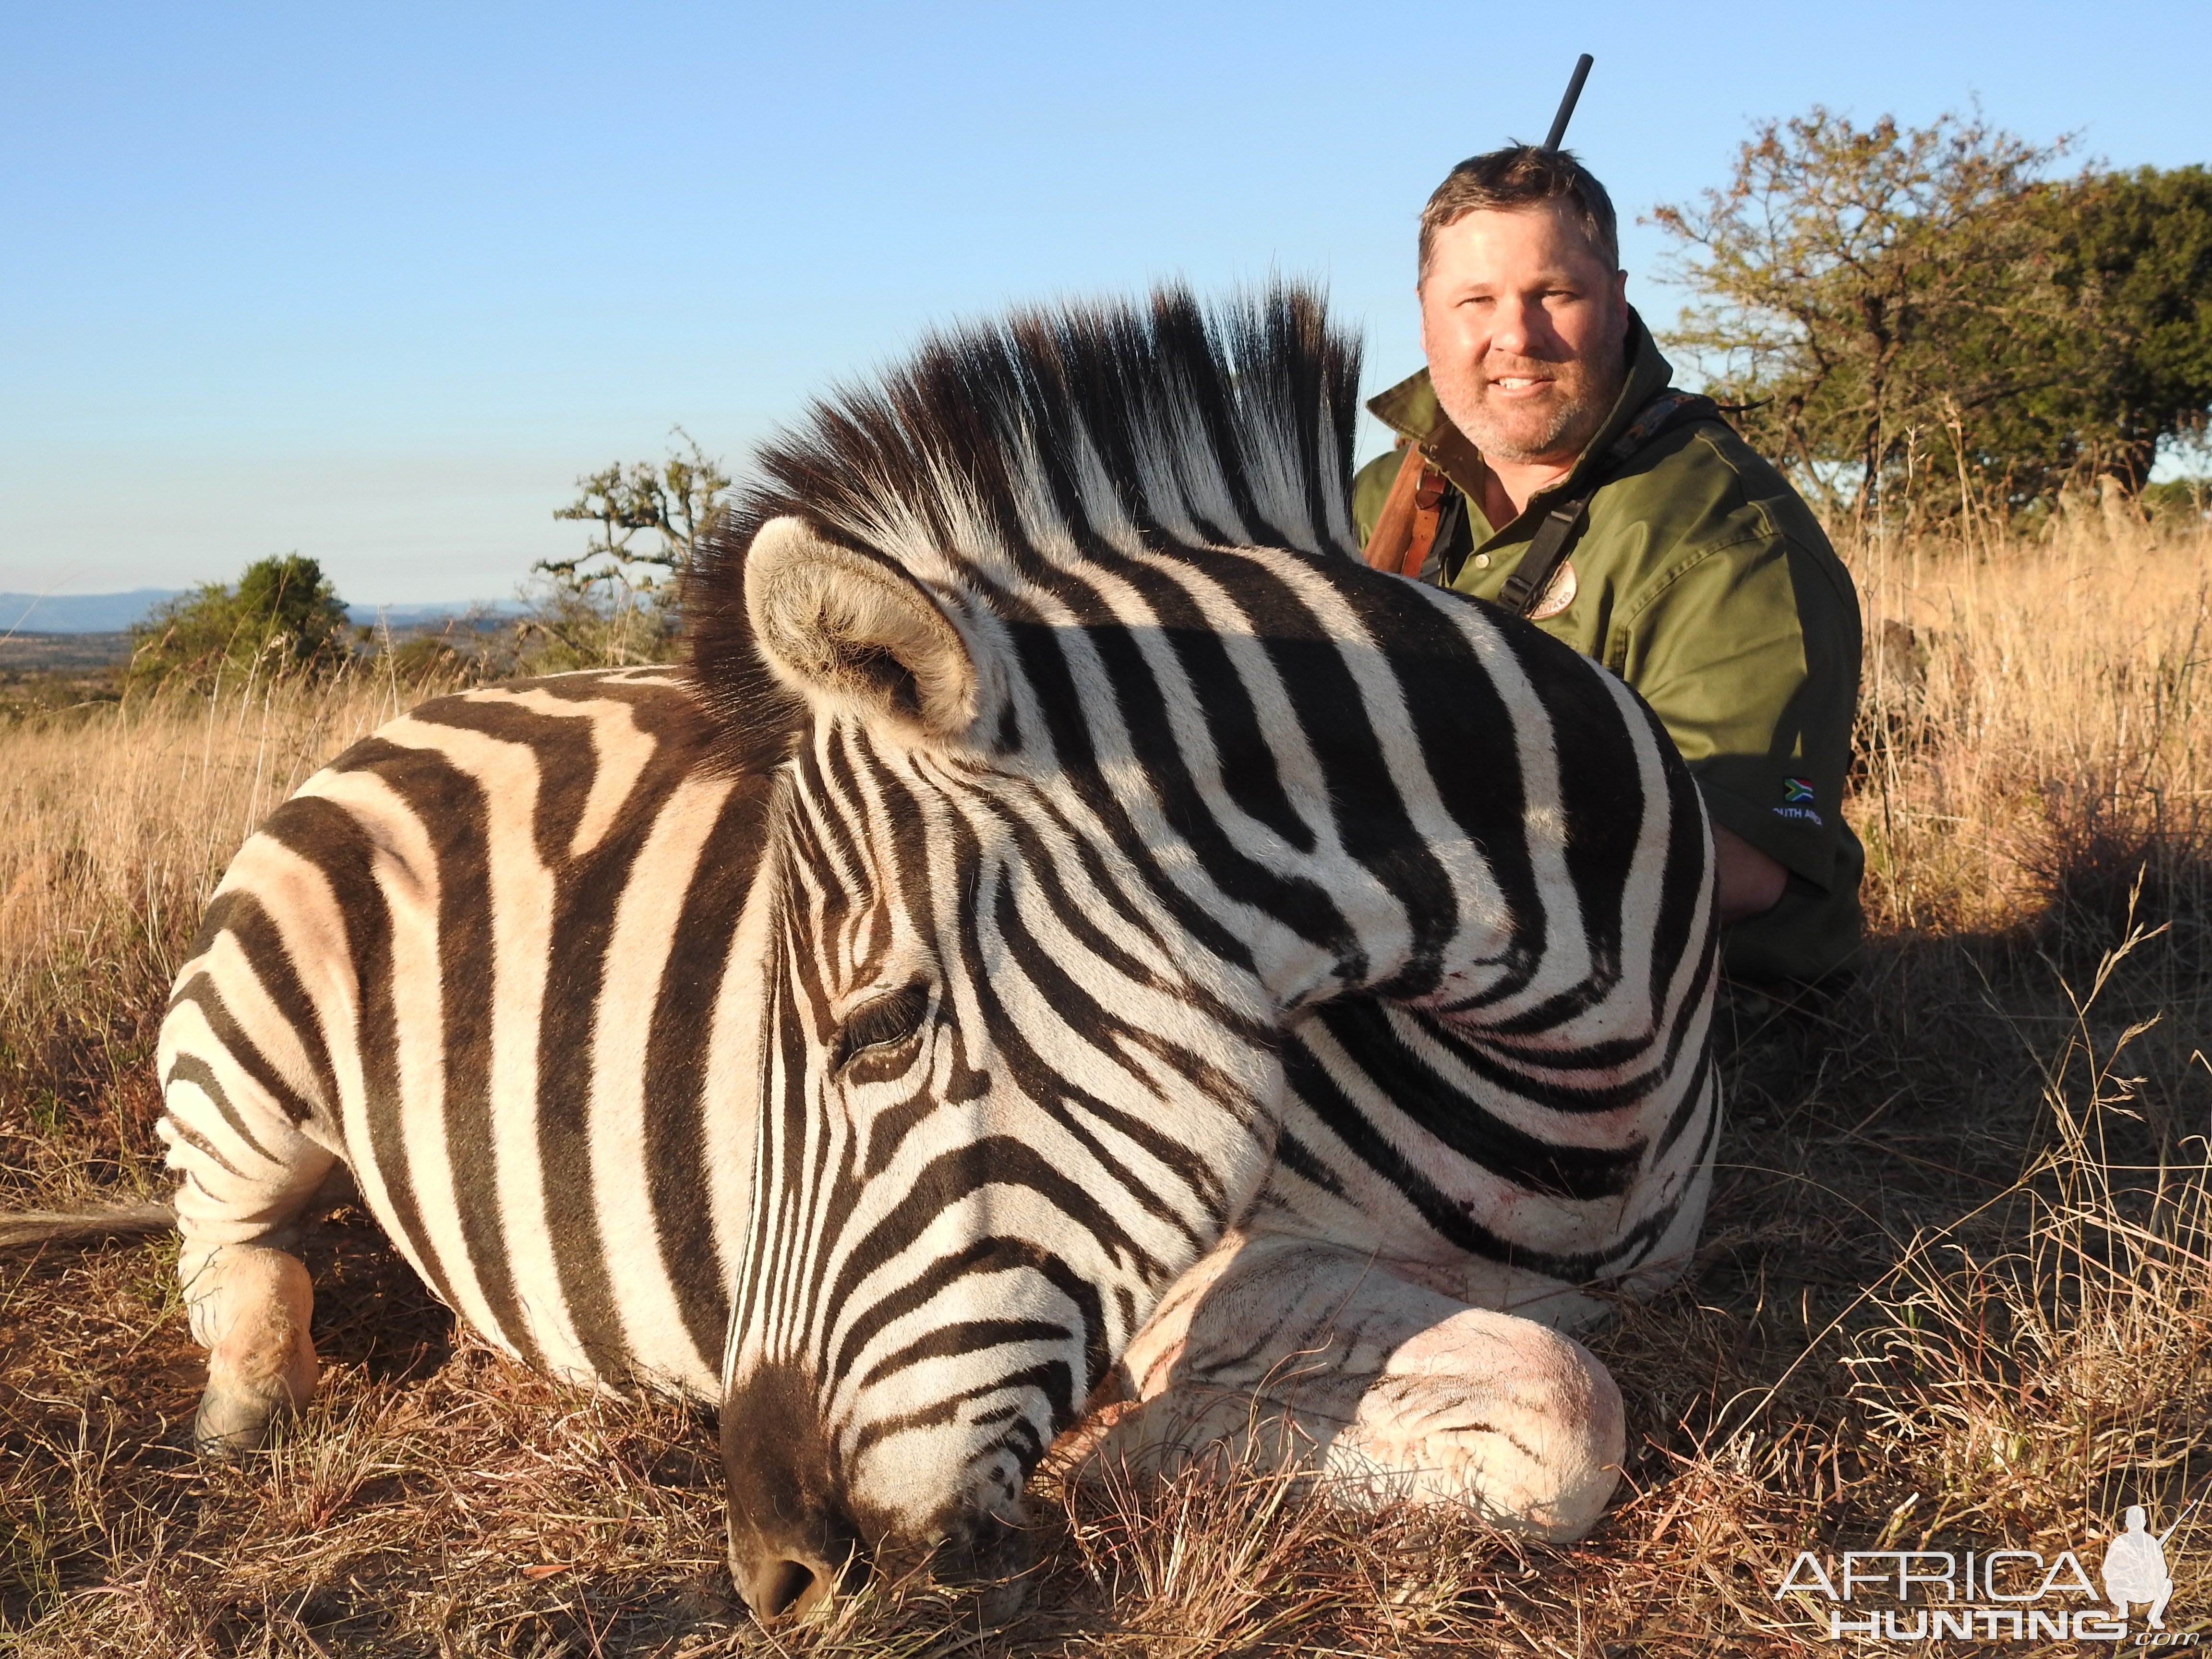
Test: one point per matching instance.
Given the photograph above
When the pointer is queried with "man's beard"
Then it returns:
(1579, 408)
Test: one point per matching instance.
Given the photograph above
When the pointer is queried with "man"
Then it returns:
(2135, 1567)
(1693, 569)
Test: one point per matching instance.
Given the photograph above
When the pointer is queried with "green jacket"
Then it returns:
(1702, 580)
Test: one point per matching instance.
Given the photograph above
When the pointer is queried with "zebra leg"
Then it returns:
(248, 1171)
(1292, 1355)
(250, 1307)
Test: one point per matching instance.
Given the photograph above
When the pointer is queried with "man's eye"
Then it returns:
(881, 1021)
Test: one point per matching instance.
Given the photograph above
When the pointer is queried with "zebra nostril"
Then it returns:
(773, 1587)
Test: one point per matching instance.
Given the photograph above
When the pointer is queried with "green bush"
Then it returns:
(283, 616)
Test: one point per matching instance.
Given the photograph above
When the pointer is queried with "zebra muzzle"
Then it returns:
(798, 1533)
(790, 1579)
(780, 1582)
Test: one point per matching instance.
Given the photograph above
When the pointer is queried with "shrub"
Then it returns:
(282, 616)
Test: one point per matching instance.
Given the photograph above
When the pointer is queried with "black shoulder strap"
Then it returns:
(1524, 589)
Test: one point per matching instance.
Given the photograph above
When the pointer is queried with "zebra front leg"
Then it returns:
(249, 1306)
(1292, 1355)
(248, 1170)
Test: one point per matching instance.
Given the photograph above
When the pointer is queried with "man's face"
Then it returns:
(1525, 328)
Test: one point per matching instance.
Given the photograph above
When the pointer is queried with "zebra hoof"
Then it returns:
(1006, 1600)
(229, 1425)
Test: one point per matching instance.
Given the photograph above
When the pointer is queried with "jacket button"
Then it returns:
(1482, 562)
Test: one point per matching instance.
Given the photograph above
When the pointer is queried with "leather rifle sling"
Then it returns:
(1428, 513)
(1396, 529)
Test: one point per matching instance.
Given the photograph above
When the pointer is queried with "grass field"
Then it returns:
(1955, 1293)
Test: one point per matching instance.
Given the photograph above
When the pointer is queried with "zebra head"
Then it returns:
(1102, 758)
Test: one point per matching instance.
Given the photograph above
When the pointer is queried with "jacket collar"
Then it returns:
(1410, 409)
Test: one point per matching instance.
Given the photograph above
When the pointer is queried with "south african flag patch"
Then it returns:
(1795, 790)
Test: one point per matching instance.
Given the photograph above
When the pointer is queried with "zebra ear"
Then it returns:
(847, 627)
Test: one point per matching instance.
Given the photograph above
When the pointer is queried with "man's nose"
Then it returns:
(1511, 330)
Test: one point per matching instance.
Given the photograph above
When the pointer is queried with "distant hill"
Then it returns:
(78, 613)
(409, 617)
(112, 613)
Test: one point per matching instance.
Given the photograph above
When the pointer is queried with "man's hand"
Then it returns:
(1751, 882)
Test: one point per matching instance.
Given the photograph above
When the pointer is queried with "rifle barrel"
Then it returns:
(1567, 104)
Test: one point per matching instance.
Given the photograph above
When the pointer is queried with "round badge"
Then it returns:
(1558, 592)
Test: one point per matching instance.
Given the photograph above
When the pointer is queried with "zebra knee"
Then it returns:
(250, 1307)
(1497, 1413)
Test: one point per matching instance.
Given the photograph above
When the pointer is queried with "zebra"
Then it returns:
(1069, 937)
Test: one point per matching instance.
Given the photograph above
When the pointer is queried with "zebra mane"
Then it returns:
(1002, 451)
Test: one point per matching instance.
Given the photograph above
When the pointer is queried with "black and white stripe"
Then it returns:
(439, 962)
(1058, 847)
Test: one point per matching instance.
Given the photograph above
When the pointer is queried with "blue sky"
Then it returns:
(377, 282)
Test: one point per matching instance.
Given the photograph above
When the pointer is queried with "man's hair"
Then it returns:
(1522, 176)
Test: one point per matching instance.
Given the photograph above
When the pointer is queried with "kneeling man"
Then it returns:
(1546, 463)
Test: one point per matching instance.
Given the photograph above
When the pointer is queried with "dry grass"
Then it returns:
(1956, 1291)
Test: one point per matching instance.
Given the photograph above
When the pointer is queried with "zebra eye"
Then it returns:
(890, 1019)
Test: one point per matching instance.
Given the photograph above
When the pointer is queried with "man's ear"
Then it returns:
(850, 631)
